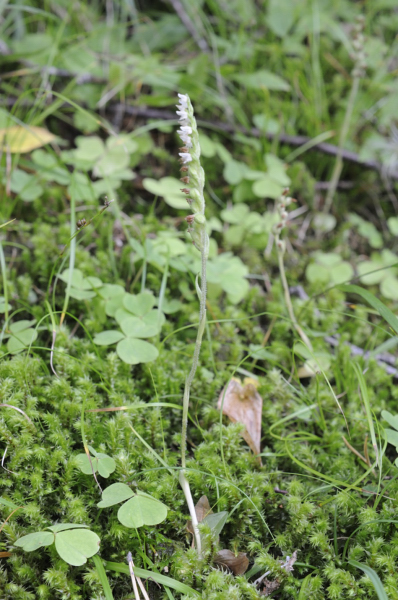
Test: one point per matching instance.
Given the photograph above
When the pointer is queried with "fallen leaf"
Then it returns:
(238, 564)
(243, 404)
(270, 586)
(18, 139)
(202, 509)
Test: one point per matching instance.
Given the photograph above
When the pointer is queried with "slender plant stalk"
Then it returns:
(195, 359)
(193, 175)
(357, 73)
(281, 205)
(71, 255)
(4, 276)
(338, 165)
(288, 299)
(188, 382)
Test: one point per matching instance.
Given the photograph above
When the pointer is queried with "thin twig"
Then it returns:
(290, 140)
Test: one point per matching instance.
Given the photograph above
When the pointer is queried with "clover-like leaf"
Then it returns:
(104, 464)
(21, 325)
(21, 340)
(81, 287)
(74, 543)
(114, 494)
(75, 546)
(142, 510)
(391, 419)
(392, 437)
(169, 188)
(139, 304)
(33, 541)
(106, 338)
(134, 351)
(136, 327)
(64, 526)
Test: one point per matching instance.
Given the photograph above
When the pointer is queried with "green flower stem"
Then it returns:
(187, 390)
(194, 177)
(288, 300)
(4, 276)
(343, 136)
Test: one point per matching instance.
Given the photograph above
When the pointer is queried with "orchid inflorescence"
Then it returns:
(280, 206)
(194, 176)
(358, 42)
(193, 173)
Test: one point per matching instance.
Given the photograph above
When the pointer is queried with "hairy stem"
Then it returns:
(188, 382)
(288, 299)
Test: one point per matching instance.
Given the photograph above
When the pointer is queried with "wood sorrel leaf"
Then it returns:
(21, 340)
(100, 462)
(106, 338)
(391, 419)
(136, 327)
(65, 526)
(33, 541)
(114, 494)
(142, 510)
(140, 304)
(134, 351)
(75, 546)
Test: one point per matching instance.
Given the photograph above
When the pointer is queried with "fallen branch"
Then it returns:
(154, 113)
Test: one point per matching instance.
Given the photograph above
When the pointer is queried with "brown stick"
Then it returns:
(290, 140)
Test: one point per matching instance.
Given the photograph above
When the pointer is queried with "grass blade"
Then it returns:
(103, 577)
(373, 576)
(162, 579)
(304, 587)
(374, 302)
(72, 251)
(365, 397)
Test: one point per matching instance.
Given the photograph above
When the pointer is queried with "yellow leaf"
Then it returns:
(18, 139)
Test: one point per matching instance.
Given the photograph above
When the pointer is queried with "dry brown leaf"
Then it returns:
(270, 586)
(238, 564)
(202, 509)
(243, 404)
(18, 139)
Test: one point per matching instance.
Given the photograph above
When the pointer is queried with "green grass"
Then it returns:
(283, 74)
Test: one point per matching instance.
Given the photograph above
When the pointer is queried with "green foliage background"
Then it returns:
(103, 78)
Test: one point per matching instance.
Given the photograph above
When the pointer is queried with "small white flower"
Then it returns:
(187, 142)
(184, 134)
(182, 114)
(183, 100)
(186, 157)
